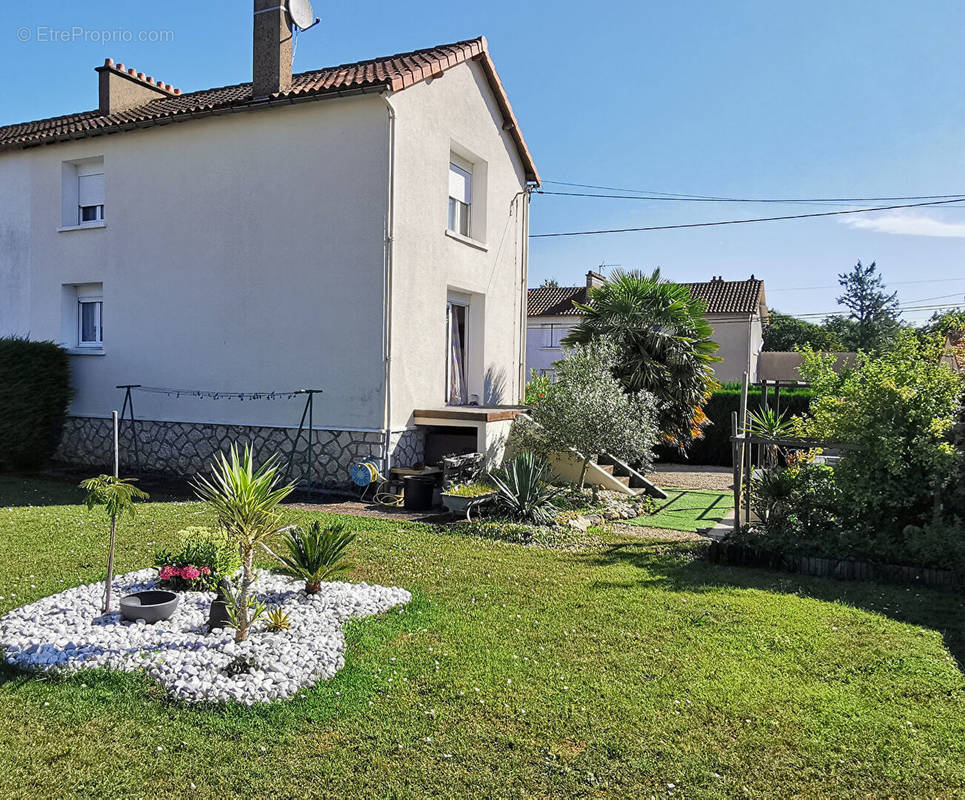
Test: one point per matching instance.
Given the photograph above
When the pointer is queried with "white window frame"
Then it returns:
(452, 303)
(93, 297)
(82, 191)
(460, 170)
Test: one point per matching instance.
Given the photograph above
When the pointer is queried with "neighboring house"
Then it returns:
(953, 356)
(736, 310)
(360, 229)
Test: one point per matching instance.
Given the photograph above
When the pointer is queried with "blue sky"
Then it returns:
(737, 99)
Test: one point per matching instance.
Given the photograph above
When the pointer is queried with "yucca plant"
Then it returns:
(117, 495)
(522, 493)
(767, 424)
(315, 555)
(278, 619)
(245, 501)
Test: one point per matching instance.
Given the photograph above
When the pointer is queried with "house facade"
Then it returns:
(736, 310)
(359, 230)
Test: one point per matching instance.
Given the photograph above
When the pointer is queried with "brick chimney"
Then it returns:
(122, 89)
(271, 63)
(594, 280)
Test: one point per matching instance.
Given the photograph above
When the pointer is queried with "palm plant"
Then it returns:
(245, 501)
(117, 495)
(315, 555)
(522, 493)
(664, 346)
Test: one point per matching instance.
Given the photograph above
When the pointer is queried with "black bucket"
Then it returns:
(417, 495)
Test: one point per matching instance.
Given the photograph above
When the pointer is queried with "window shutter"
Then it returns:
(90, 190)
(460, 184)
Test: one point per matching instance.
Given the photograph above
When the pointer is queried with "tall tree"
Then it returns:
(663, 346)
(784, 333)
(873, 310)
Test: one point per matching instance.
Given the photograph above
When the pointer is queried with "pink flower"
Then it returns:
(190, 573)
(205, 570)
(167, 573)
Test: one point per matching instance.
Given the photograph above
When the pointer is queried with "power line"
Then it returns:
(890, 283)
(721, 199)
(958, 199)
(799, 201)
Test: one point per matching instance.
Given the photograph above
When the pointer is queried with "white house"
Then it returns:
(736, 310)
(360, 229)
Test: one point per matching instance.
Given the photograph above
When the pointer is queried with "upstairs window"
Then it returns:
(90, 192)
(82, 201)
(460, 195)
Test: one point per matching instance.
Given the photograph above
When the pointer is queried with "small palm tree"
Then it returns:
(117, 496)
(315, 555)
(664, 345)
(245, 500)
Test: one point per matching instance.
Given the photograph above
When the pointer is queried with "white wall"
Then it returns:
(740, 340)
(240, 253)
(15, 274)
(455, 112)
(542, 343)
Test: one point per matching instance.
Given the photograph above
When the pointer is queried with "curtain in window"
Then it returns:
(457, 365)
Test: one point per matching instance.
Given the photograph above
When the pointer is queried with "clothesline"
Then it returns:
(205, 394)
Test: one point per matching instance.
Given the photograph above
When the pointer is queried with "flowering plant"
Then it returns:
(203, 558)
(184, 577)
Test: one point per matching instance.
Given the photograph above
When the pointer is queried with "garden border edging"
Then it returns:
(844, 569)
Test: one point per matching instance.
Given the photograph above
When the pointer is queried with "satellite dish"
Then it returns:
(301, 13)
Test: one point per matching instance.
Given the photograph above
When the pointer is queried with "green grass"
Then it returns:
(515, 672)
(688, 510)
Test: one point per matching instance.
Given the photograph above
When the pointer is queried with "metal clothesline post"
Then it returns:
(129, 404)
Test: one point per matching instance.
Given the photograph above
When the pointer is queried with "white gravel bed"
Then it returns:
(67, 631)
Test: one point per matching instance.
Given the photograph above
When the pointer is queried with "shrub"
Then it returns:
(896, 410)
(315, 555)
(536, 388)
(714, 448)
(522, 493)
(204, 556)
(35, 392)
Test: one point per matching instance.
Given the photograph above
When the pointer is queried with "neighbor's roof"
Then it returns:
(721, 297)
(730, 297)
(388, 73)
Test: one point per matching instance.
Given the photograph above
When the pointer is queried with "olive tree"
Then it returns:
(588, 410)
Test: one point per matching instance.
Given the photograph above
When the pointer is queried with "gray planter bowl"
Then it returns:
(151, 606)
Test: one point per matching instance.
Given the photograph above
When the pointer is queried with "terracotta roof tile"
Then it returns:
(395, 73)
(721, 297)
(730, 297)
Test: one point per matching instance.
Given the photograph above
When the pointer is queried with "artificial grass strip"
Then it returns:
(688, 510)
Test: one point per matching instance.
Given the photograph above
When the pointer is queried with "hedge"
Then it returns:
(35, 391)
(714, 447)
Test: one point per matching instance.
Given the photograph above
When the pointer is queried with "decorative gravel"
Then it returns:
(66, 632)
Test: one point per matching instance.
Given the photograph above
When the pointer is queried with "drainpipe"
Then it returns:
(523, 281)
(750, 348)
(387, 289)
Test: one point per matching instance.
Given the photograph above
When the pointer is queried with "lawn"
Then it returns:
(632, 669)
(688, 510)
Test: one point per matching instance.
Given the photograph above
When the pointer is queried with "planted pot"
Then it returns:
(151, 606)
(460, 503)
(218, 616)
